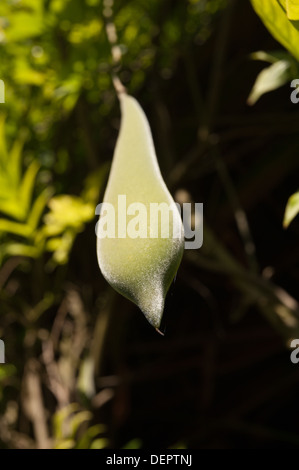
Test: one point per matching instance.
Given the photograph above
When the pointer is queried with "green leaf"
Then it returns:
(78, 419)
(271, 57)
(14, 162)
(8, 226)
(280, 26)
(101, 443)
(292, 8)
(13, 208)
(65, 444)
(60, 417)
(67, 212)
(61, 246)
(18, 249)
(23, 26)
(27, 186)
(3, 149)
(292, 209)
(85, 383)
(89, 435)
(38, 208)
(27, 76)
(270, 79)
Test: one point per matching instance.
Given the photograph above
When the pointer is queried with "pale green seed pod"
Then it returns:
(140, 262)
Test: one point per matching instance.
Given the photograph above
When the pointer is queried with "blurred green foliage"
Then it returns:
(282, 20)
(66, 424)
(66, 217)
(283, 69)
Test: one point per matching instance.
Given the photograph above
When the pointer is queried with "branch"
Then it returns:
(116, 52)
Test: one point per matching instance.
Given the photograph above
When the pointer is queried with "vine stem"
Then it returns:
(116, 51)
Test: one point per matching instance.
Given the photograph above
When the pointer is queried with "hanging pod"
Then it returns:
(140, 236)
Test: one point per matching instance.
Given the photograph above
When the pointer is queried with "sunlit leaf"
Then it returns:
(27, 186)
(270, 79)
(292, 209)
(292, 8)
(100, 443)
(19, 249)
(60, 417)
(14, 162)
(85, 383)
(23, 25)
(61, 246)
(280, 26)
(78, 419)
(12, 208)
(3, 149)
(7, 191)
(16, 228)
(26, 76)
(271, 57)
(67, 211)
(38, 208)
(65, 444)
(89, 435)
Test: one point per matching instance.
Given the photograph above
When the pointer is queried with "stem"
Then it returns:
(116, 52)
(217, 69)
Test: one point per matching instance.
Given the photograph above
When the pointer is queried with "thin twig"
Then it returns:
(217, 69)
(55, 383)
(34, 406)
(14, 439)
(8, 269)
(116, 51)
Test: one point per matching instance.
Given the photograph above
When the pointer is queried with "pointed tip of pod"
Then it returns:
(153, 308)
(160, 332)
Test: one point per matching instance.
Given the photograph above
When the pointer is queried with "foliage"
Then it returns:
(280, 17)
(282, 20)
(67, 423)
(281, 71)
(292, 209)
(66, 217)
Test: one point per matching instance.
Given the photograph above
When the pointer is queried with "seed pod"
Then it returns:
(139, 257)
